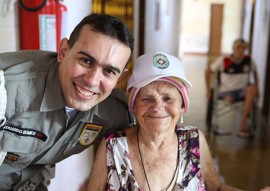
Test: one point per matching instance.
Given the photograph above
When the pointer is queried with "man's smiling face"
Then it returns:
(91, 68)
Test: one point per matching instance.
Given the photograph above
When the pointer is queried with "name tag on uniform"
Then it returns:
(89, 134)
(24, 132)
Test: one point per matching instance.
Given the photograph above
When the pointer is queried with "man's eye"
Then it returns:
(87, 61)
(109, 71)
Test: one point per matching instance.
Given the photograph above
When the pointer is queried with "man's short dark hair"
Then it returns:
(241, 40)
(107, 25)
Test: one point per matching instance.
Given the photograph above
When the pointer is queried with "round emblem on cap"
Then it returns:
(161, 61)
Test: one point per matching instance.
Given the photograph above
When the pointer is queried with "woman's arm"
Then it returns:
(99, 171)
(209, 174)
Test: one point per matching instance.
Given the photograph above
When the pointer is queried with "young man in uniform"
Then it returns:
(58, 104)
(235, 74)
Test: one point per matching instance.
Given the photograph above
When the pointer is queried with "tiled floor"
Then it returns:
(241, 163)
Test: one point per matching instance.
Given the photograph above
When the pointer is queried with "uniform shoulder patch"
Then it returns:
(89, 133)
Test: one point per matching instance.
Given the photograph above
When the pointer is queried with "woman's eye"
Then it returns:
(146, 99)
(167, 98)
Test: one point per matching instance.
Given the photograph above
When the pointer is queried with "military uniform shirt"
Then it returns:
(35, 135)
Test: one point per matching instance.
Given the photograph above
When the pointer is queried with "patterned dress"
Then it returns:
(121, 176)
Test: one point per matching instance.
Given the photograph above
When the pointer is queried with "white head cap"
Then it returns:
(152, 67)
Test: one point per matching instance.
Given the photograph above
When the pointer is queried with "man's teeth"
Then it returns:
(84, 92)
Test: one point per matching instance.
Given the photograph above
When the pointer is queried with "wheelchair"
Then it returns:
(218, 108)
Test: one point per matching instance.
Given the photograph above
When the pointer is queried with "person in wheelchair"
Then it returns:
(238, 80)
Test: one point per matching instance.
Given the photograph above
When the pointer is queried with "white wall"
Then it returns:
(76, 11)
(261, 33)
(232, 19)
(166, 36)
(195, 25)
(247, 18)
(71, 172)
(195, 28)
(9, 25)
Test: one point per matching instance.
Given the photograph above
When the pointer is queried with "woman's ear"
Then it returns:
(62, 49)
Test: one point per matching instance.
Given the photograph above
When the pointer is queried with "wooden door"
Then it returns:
(216, 22)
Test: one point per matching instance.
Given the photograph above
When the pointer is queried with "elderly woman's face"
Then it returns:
(158, 106)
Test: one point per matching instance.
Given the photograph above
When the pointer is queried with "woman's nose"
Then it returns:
(158, 104)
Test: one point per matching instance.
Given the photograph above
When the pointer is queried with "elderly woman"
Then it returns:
(156, 153)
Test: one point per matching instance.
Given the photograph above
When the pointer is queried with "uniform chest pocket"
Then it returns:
(26, 70)
(21, 150)
(85, 136)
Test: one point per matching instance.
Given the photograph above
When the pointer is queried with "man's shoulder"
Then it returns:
(117, 95)
(115, 103)
(114, 110)
(10, 59)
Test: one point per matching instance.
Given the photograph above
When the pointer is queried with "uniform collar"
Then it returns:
(53, 98)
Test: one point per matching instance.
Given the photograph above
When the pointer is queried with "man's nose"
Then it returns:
(94, 76)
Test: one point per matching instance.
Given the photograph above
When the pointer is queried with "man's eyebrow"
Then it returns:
(88, 55)
(113, 68)
(108, 66)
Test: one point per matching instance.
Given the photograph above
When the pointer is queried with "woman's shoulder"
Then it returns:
(188, 131)
(187, 128)
(121, 134)
(115, 135)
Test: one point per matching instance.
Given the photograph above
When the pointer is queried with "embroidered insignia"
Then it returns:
(161, 61)
(11, 157)
(89, 134)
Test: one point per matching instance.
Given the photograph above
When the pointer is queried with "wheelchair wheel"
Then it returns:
(253, 119)
(209, 111)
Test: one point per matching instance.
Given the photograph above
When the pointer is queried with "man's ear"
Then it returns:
(123, 75)
(62, 49)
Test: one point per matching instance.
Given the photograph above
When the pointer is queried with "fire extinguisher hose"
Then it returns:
(32, 9)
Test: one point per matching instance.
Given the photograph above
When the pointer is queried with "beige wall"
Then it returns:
(195, 27)
(162, 26)
(9, 26)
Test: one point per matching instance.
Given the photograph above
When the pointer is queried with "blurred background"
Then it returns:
(197, 31)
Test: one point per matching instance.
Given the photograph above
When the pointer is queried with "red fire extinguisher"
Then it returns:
(42, 24)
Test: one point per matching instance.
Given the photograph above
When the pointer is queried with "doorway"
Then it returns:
(215, 38)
